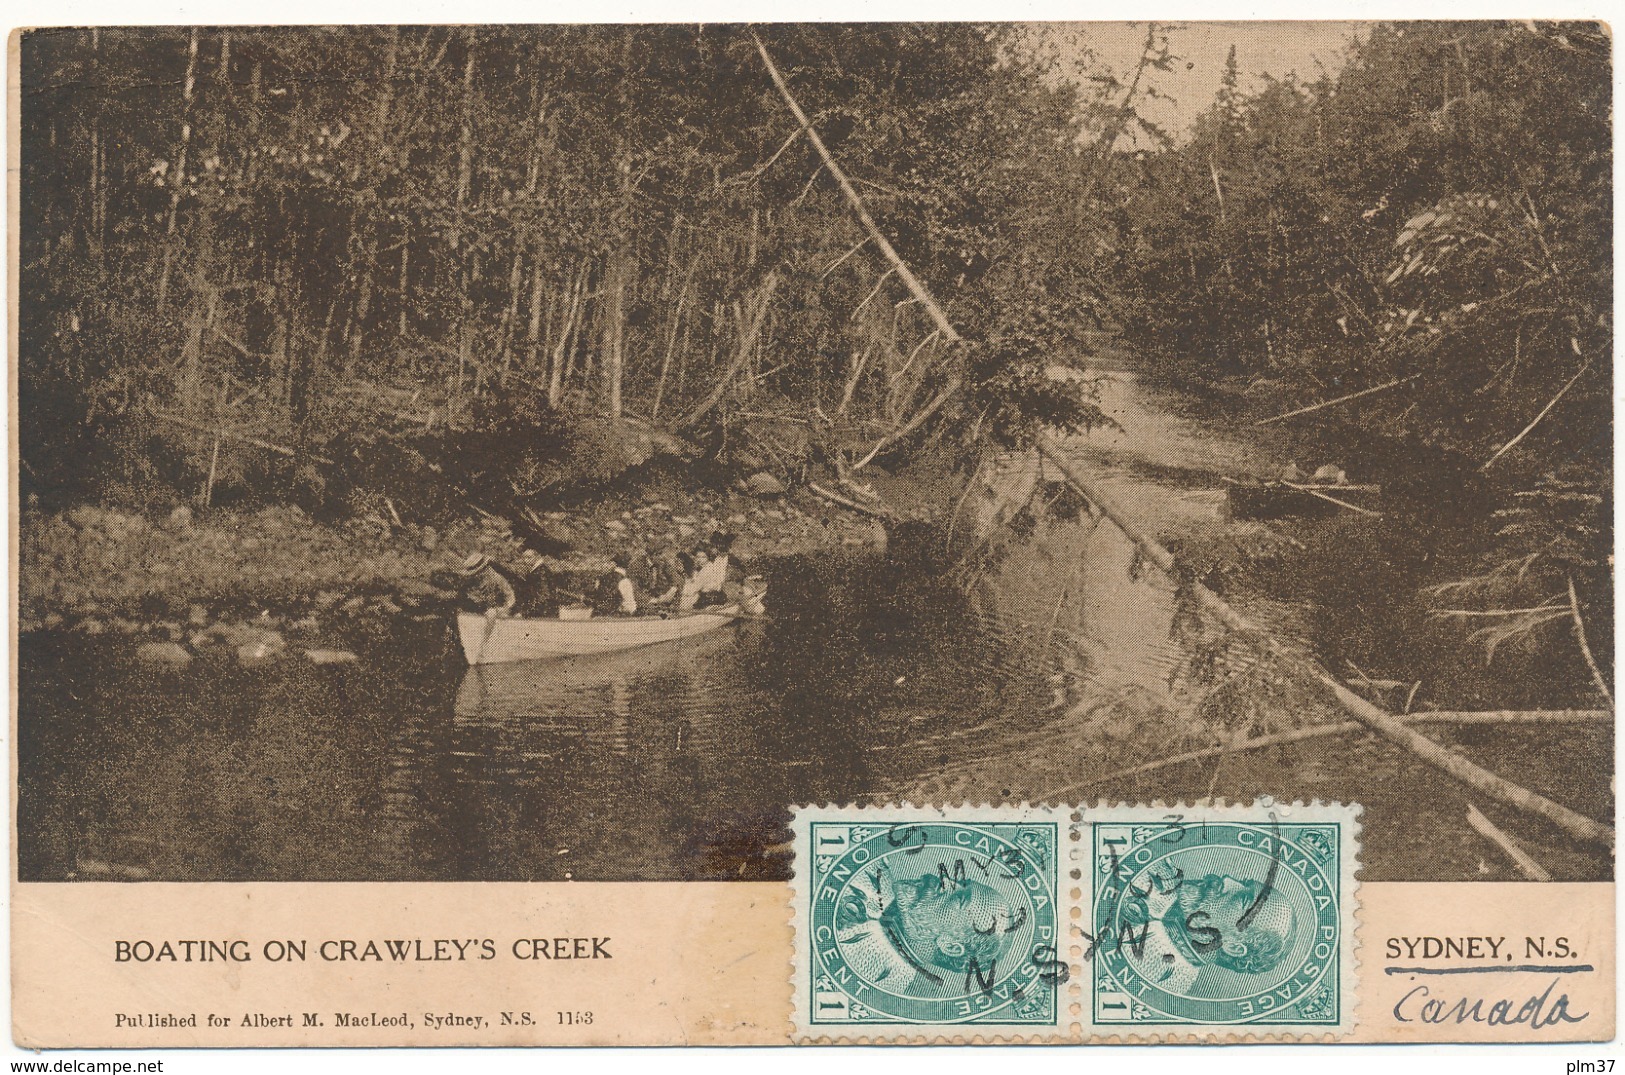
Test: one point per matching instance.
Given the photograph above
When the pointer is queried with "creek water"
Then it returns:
(875, 678)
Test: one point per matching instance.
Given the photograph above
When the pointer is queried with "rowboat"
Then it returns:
(1278, 499)
(547, 690)
(494, 640)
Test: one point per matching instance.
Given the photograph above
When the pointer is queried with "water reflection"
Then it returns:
(623, 759)
(875, 679)
(668, 762)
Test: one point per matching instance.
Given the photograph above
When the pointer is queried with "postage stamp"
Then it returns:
(1040, 923)
(908, 919)
(1202, 918)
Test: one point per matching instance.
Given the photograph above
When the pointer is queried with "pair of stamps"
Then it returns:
(1047, 923)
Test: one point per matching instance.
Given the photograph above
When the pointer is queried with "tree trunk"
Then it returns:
(306, 373)
(563, 351)
(280, 339)
(465, 150)
(363, 304)
(98, 182)
(510, 316)
(256, 88)
(178, 180)
(406, 257)
(749, 327)
(614, 330)
(386, 96)
(884, 244)
(197, 323)
(671, 338)
(369, 263)
(533, 328)
(219, 434)
(619, 266)
(468, 271)
(465, 328)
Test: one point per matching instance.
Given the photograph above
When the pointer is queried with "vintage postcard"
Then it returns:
(812, 534)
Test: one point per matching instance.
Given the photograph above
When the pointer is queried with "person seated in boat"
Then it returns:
(712, 565)
(1331, 474)
(538, 594)
(714, 576)
(640, 568)
(688, 593)
(664, 576)
(738, 562)
(617, 593)
(485, 589)
(735, 576)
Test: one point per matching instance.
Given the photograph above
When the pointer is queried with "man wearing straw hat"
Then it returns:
(485, 587)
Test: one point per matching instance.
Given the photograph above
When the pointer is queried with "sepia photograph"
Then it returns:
(556, 452)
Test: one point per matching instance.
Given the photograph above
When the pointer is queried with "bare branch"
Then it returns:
(1585, 647)
(1544, 411)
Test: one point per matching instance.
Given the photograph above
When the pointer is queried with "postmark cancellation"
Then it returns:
(924, 921)
(1047, 923)
(1207, 920)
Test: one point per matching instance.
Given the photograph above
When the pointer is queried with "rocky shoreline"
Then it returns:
(270, 583)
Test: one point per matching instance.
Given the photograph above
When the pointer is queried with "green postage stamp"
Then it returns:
(1229, 917)
(932, 918)
(1041, 923)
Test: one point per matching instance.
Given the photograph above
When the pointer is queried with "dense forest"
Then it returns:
(311, 237)
(299, 232)
(1434, 226)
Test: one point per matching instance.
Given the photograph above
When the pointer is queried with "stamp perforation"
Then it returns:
(1318, 1007)
(933, 862)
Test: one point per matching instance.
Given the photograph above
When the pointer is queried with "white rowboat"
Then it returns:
(488, 640)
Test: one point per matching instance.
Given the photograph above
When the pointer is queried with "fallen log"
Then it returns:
(1312, 491)
(1530, 428)
(1510, 716)
(1491, 832)
(1340, 399)
(846, 502)
(1577, 825)
(889, 252)
(1346, 727)
(200, 427)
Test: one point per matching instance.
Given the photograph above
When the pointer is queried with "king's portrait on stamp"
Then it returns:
(934, 921)
(1225, 919)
